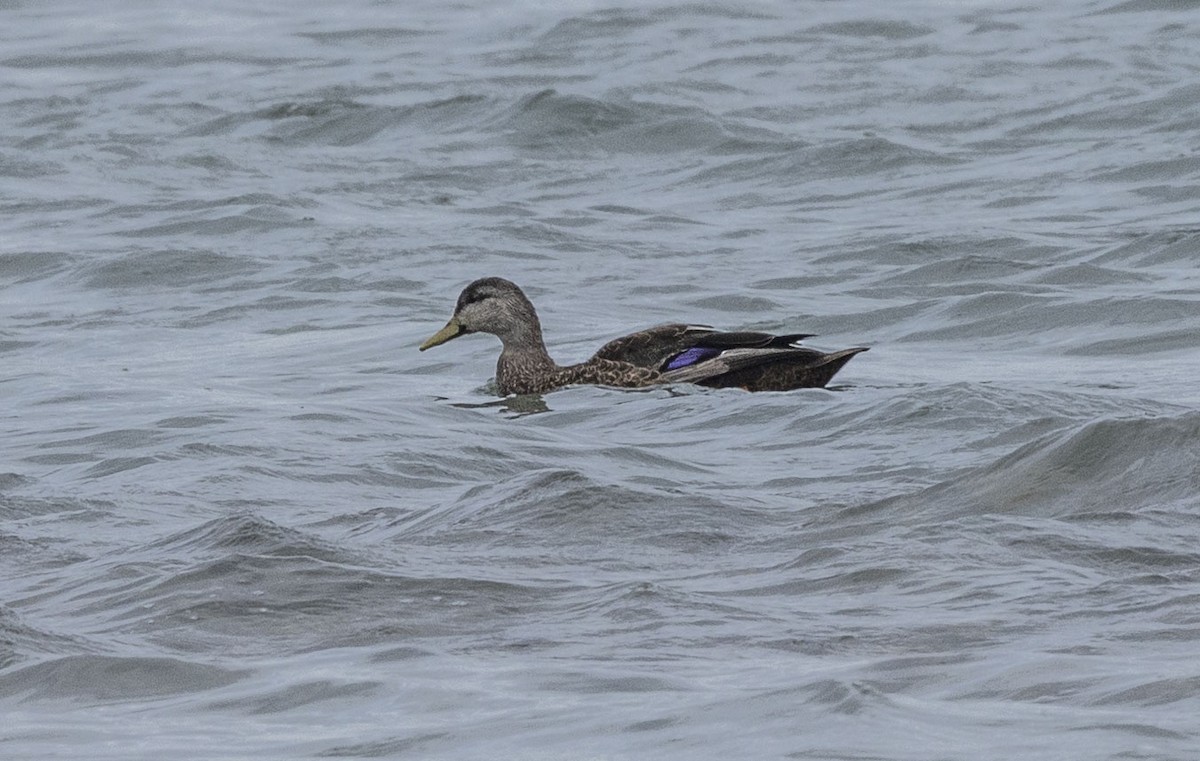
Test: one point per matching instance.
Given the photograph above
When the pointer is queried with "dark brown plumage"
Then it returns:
(673, 353)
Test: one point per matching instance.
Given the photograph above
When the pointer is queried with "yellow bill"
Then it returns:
(452, 330)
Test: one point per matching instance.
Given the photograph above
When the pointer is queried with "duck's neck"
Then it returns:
(523, 358)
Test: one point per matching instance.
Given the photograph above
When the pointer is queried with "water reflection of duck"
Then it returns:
(673, 353)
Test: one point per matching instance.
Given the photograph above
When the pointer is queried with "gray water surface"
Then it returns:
(242, 517)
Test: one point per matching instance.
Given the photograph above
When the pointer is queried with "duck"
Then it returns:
(660, 355)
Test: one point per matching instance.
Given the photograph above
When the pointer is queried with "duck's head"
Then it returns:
(491, 305)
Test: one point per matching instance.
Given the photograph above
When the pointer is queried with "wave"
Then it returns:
(1108, 466)
(107, 678)
(527, 508)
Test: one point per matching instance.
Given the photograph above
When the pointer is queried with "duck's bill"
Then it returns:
(452, 330)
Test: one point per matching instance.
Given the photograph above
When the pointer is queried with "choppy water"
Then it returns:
(241, 516)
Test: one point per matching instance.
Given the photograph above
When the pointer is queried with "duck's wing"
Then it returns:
(761, 369)
(668, 347)
(749, 339)
(652, 347)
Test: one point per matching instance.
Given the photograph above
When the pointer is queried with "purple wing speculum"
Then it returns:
(691, 357)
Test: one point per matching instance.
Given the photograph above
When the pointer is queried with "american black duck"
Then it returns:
(673, 353)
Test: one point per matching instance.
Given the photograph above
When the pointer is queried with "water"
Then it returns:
(243, 517)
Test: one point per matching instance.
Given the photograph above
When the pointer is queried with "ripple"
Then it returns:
(105, 678)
